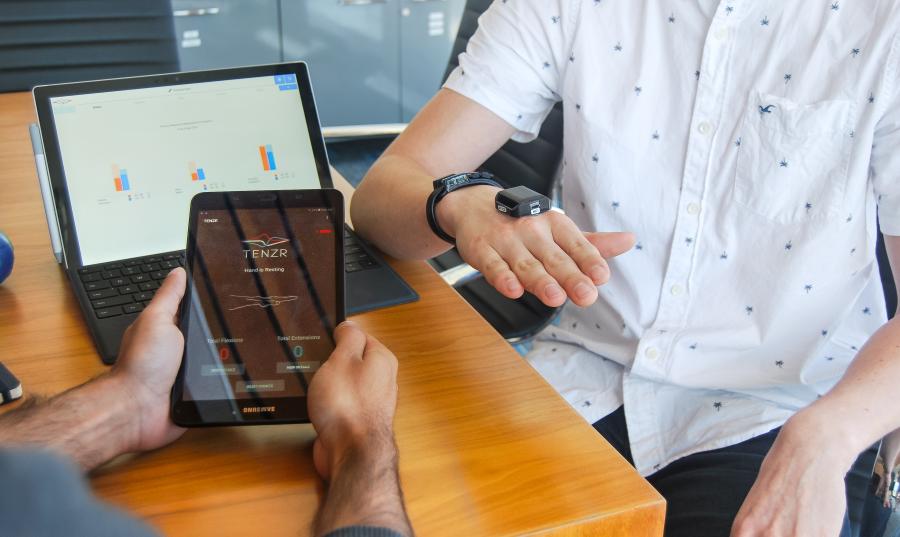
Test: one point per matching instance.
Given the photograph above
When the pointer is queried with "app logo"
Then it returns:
(264, 245)
(264, 240)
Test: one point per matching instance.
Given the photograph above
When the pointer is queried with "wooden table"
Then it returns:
(486, 446)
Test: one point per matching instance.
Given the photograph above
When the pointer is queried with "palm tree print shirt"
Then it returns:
(748, 145)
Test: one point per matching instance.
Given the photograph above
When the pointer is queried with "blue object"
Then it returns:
(6, 256)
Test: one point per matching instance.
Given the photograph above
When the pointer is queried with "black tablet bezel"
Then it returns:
(191, 413)
(56, 171)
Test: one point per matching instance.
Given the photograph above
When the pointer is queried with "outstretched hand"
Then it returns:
(546, 255)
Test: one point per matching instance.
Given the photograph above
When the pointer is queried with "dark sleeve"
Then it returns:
(42, 495)
(363, 531)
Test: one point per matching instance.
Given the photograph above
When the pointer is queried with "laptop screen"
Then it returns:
(133, 159)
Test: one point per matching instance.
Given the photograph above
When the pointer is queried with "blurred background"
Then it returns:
(373, 63)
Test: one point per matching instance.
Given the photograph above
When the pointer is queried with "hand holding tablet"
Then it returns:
(265, 292)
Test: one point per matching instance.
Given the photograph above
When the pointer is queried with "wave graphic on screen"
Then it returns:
(261, 302)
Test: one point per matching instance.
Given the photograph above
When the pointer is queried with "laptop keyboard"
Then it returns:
(125, 287)
(355, 257)
(128, 286)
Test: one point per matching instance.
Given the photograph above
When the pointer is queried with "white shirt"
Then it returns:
(746, 144)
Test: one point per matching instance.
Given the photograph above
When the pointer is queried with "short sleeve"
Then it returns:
(885, 162)
(513, 64)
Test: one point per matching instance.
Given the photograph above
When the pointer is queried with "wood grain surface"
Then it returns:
(486, 446)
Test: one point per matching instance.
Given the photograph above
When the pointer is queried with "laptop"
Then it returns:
(119, 161)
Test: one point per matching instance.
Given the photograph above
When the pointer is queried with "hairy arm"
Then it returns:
(126, 409)
(365, 489)
(352, 400)
(88, 423)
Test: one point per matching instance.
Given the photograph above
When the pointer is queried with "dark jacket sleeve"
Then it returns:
(363, 531)
(42, 495)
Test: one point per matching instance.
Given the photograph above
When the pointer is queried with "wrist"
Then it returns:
(827, 435)
(99, 422)
(124, 412)
(458, 203)
(364, 489)
(373, 446)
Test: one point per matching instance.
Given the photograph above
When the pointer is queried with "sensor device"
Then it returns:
(265, 291)
(446, 185)
(521, 201)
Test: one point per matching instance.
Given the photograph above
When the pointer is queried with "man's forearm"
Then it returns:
(451, 134)
(890, 449)
(860, 409)
(365, 490)
(389, 209)
(89, 423)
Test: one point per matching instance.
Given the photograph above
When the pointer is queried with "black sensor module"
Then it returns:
(521, 201)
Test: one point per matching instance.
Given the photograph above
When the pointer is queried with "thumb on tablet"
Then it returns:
(170, 293)
(350, 340)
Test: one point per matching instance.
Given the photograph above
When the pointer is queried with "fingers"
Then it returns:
(360, 355)
(611, 245)
(588, 258)
(354, 343)
(497, 273)
(351, 341)
(546, 255)
(542, 241)
(562, 268)
(167, 298)
(532, 274)
(378, 354)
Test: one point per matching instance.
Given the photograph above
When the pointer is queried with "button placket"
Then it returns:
(673, 304)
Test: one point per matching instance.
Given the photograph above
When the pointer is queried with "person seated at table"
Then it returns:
(352, 400)
(737, 356)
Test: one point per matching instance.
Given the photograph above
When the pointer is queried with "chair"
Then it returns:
(534, 165)
(52, 41)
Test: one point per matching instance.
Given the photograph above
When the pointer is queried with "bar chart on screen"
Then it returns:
(141, 155)
(120, 179)
(267, 156)
(197, 174)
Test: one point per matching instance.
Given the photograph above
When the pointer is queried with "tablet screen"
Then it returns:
(263, 301)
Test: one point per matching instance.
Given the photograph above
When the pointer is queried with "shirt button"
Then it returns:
(693, 209)
(676, 290)
(704, 128)
(652, 353)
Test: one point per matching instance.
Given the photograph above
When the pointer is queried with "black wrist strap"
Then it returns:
(446, 185)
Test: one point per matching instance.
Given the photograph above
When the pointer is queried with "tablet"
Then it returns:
(265, 290)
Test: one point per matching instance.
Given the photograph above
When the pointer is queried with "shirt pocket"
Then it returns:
(793, 158)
